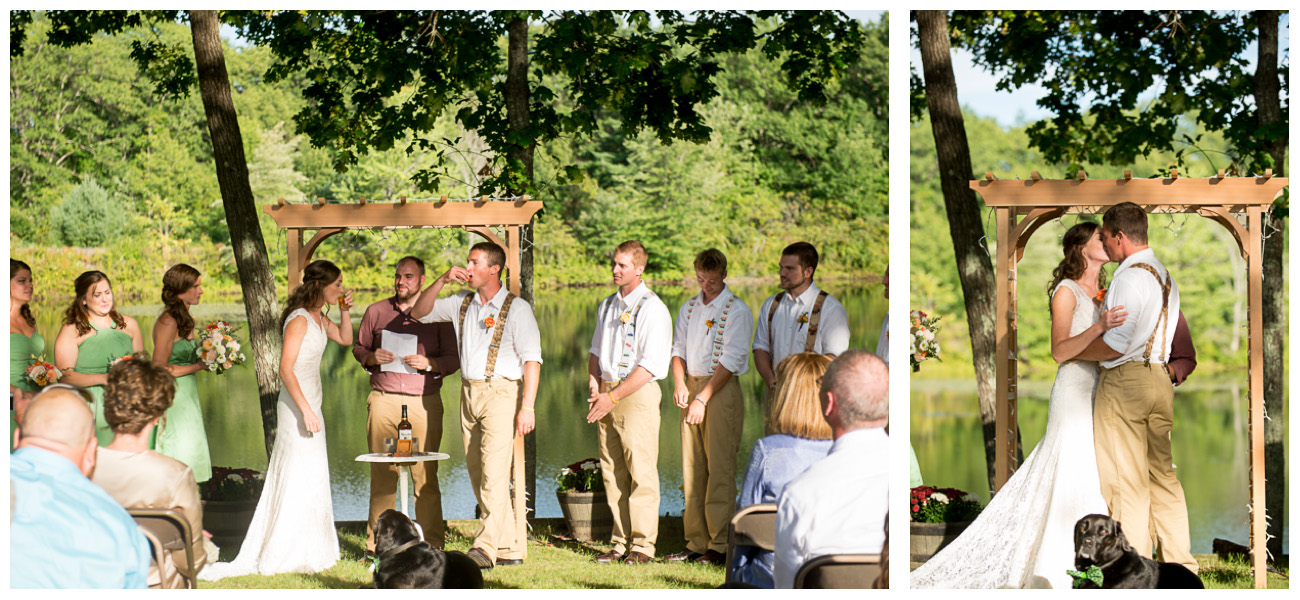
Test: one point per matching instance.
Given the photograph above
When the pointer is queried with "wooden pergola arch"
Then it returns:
(478, 216)
(1023, 206)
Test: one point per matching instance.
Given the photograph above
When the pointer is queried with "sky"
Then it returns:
(976, 88)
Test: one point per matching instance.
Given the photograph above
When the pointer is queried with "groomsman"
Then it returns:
(629, 350)
(434, 358)
(800, 318)
(710, 352)
(501, 359)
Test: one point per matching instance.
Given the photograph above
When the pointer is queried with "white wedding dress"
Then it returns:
(1024, 538)
(293, 527)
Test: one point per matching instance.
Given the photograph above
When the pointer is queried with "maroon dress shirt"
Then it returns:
(437, 341)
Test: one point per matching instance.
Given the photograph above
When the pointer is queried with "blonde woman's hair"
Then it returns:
(796, 408)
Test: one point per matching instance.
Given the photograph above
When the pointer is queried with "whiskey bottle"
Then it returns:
(404, 441)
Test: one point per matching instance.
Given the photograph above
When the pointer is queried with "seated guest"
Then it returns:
(798, 436)
(135, 398)
(838, 506)
(64, 531)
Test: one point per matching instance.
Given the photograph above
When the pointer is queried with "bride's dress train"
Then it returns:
(293, 527)
(1024, 538)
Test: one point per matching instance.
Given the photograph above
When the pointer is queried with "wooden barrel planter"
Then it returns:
(928, 539)
(588, 515)
(228, 520)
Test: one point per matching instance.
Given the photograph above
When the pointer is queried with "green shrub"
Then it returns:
(88, 217)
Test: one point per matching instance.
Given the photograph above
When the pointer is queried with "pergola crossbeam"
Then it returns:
(1023, 206)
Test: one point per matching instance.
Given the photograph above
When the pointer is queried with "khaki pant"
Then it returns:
(1133, 418)
(709, 466)
(487, 428)
(629, 456)
(425, 415)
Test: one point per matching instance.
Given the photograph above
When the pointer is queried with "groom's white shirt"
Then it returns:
(1139, 293)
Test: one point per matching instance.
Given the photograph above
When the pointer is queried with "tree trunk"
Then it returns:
(241, 214)
(517, 115)
(1269, 110)
(974, 267)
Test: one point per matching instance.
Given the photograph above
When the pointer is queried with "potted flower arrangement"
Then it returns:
(580, 489)
(229, 501)
(939, 515)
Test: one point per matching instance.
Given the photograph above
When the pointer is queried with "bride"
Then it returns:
(293, 527)
(1024, 537)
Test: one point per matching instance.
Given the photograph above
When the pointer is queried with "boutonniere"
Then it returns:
(803, 319)
(1101, 295)
(708, 325)
(490, 322)
(625, 317)
(1093, 574)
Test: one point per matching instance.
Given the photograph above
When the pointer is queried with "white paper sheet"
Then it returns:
(400, 344)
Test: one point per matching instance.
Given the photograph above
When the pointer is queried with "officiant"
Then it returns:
(407, 361)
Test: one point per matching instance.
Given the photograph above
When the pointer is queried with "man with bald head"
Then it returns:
(839, 505)
(64, 531)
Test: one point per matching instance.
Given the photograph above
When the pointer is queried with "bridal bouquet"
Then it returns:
(43, 373)
(582, 476)
(924, 346)
(219, 349)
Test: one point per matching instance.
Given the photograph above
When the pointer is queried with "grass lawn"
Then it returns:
(1232, 573)
(552, 563)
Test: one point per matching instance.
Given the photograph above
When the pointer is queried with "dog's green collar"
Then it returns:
(398, 550)
(1093, 574)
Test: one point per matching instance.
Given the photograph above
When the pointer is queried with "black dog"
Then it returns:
(407, 562)
(1099, 541)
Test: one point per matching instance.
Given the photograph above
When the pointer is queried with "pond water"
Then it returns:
(566, 320)
(1209, 445)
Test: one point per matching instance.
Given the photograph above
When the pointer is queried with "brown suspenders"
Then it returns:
(498, 329)
(1165, 286)
(813, 320)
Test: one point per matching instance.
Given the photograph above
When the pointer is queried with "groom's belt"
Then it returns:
(490, 380)
(1138, 363)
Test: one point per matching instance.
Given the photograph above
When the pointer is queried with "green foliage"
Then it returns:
(87, 216)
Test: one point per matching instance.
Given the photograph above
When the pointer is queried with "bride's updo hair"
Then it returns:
(315, 277)
(1074, 264)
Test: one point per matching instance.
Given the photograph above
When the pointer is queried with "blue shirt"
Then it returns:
(774, 461)
(67, 532)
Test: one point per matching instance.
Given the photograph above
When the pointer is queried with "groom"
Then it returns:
(1133, 411)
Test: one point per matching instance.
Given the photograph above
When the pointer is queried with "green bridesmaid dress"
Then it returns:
(21, 351)
(93, 358)
(182, 435)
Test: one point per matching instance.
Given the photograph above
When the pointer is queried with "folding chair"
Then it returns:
(172, 531)
(753, 525)
(839, 571)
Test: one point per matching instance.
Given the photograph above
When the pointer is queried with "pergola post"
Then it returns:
(1216, 198)
(475, 217)
(1255, 296)
(1005, 358)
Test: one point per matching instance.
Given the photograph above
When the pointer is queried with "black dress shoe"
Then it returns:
(505, 562)
(712, 557)
(683, 556)
(480, 558)
(609, 557)
(637, 558)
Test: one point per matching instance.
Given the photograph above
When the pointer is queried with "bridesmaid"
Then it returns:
(24, 341)
(93, 335)
(182, 435)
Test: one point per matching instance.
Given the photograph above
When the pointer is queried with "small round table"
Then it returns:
(403, 467)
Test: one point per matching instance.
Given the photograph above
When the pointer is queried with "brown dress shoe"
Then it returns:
(636, 558)
(609, 557)
(712, 557)
(683, 556)
(480, 558)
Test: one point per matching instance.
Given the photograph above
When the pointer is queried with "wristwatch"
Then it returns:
(428, 368)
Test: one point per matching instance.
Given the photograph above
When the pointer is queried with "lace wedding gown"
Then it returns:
(293, 527)
(1024, 538)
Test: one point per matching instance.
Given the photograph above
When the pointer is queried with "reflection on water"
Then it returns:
(1209, 444)
(232, 415)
